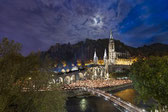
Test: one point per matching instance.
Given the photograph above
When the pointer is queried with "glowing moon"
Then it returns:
(97, 21)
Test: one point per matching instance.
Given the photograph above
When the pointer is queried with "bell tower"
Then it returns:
(112, 53)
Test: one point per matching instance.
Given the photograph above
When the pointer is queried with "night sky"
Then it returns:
(38, 24)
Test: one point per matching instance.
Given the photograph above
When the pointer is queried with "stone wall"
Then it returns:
(117, 68)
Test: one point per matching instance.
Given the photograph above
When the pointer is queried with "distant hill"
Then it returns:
(156, 49)
(84, 50)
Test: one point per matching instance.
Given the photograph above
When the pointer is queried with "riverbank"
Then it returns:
(78, 92)
(114, 89)
(99, 83)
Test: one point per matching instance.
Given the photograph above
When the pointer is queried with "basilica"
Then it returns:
(112, 62)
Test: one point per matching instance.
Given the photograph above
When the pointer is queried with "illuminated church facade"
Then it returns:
(112, 60)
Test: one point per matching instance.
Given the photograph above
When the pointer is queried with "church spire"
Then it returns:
(95, 58)
(112, 53)
(95, 54)
(111, 35)
(105, 54)
(105, 57)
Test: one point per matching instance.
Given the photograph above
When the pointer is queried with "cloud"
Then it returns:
(38, 24)
(145, 23)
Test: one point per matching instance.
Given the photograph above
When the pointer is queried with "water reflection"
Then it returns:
(127, 95)
(130, 95)
(99, 104)
(83, 104)
(90, 104)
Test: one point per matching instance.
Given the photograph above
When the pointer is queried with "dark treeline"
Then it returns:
(23, 78)
(84, 50)
(150, 80)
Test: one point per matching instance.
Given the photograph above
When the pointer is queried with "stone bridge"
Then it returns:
(88, 73)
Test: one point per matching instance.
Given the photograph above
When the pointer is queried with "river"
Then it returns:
(90, 104)
(98, 104)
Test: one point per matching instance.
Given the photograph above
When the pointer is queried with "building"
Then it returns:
(113, 62)
(112, 52)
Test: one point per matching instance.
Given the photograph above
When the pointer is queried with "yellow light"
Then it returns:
(63, 70)
(64, 64)
(79, 63)
(125, 61)
(101, 62)
(67, 70)
(83, 104)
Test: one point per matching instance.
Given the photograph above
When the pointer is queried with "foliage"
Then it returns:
(22, 80)
(7, 47)
(150, 79)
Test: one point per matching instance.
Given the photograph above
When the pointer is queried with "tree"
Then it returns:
(150, 79)
(24, 82)
(9, 58)
(9, 47)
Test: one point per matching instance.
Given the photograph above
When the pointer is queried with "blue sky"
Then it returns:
(38, 24)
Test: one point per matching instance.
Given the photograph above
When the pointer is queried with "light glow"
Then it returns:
(83, 104)
(97, 21)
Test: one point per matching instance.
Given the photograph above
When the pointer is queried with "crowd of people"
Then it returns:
(97, 83)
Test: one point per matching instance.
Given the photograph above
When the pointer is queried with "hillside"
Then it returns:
(156, 49)
(84, 50)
